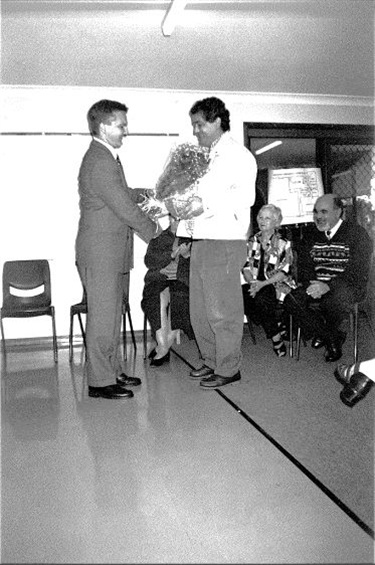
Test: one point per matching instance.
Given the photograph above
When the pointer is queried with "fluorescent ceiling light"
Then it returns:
(268, 147)
(173, 16)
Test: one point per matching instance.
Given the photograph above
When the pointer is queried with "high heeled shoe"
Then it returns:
(152, 353)
(158, 362)
(279, 347)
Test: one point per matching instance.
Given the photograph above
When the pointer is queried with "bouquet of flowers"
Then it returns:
(187, 163)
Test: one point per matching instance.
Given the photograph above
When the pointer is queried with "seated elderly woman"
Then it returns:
(267, 274)
(165, 299)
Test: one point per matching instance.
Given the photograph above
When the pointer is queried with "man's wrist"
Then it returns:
(158, 230)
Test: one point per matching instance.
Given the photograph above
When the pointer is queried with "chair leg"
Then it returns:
(83, 333)
(2, 337)
(127, 311)
(290, 335)
(54, 334)
(355, 332)
(298, 346)
(251, 329)
(124, 334)
(71, 338)
(71, 335)
(298, 339)
(131, 328)
(145, 337)
(82, 329)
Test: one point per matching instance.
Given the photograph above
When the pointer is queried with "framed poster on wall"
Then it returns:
(295, 192)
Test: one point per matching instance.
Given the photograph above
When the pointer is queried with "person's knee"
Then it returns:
(336, 303)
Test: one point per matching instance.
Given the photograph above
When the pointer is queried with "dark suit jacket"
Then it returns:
(109, 213)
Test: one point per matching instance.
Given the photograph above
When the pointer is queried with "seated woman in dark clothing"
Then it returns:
(267, 274)
(165, 299)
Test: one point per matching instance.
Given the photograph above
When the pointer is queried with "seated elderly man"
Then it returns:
(333, 268)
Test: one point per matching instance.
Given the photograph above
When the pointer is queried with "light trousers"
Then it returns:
(216, 302)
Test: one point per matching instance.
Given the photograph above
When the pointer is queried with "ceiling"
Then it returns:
(276, 46)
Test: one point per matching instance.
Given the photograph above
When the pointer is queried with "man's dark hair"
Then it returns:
(211, 109)
(102, 113)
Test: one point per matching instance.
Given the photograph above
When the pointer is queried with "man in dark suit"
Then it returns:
(109, 215)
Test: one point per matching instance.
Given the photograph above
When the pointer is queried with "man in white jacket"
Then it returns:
(221, 212)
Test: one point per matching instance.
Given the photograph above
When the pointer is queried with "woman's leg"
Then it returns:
(265, 302)
(165, 336)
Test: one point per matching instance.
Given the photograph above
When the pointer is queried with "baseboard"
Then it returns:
(42, 343)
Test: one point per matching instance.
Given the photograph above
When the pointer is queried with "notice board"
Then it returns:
(295, 192)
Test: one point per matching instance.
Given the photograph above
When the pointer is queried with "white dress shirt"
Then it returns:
(227, 191)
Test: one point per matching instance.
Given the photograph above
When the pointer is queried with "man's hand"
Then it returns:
(193, 208)
(316, 289)
(183, 250)
(159, 230)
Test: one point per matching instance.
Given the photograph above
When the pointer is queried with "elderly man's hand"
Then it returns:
(316, 289)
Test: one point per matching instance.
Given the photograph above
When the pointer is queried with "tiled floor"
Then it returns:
(273, 469)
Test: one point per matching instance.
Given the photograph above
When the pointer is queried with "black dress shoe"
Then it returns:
(357, 388)
(214, 381)
(343, 373)
(158, 362)
(124, 380)
(110, 391)
(202, 372)
(317, 342)
(334, 348)
(334, 353)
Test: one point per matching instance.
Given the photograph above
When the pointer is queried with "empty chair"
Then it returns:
(27, 293)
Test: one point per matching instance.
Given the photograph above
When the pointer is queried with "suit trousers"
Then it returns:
(334, 307)
(216, 303)
(104, 291)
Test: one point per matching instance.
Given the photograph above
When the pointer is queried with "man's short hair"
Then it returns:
(212, 108)
(102, 113)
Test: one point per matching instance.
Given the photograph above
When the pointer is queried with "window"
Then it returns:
(344, 153)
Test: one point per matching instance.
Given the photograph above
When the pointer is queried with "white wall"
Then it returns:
(39, 201)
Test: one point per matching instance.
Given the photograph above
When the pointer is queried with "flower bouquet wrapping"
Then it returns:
(177, 184)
